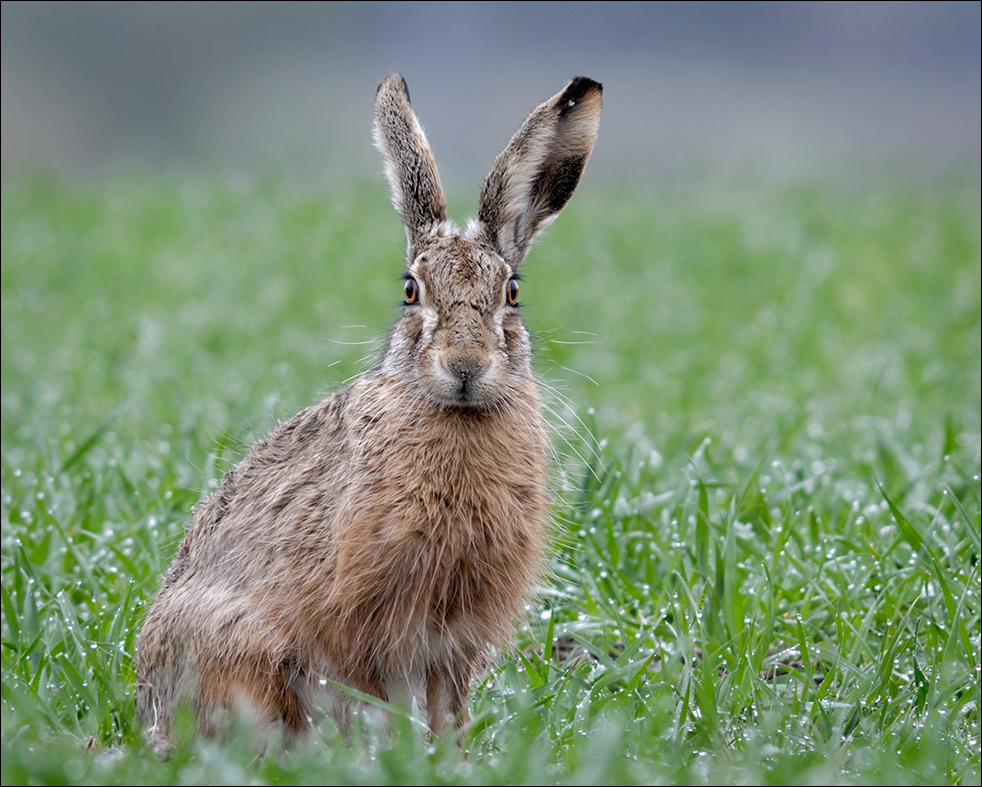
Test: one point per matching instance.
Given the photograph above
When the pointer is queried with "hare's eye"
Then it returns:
(512, 292)
(410, 291)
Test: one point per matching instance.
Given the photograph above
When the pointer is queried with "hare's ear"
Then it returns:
(409, 165)
(534, 177)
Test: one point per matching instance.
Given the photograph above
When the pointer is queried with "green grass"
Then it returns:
(767, 410)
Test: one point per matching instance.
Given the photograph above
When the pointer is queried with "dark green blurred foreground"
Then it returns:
(767, 411)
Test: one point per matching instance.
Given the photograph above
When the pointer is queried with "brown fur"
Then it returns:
(387, 537)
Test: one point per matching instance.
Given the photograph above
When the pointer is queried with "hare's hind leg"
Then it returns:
(266, 695)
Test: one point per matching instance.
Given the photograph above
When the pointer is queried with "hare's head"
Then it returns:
(460, 338)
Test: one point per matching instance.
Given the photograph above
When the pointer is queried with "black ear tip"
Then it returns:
(577, 89)
(583, 84)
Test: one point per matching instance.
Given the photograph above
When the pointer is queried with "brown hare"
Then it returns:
(387, 538)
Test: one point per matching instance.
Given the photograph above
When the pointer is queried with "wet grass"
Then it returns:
(767, 410)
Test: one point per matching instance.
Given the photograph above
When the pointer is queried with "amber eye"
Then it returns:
(410, 291)
(512, 292)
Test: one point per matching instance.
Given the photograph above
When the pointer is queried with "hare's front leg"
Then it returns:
(447, 687)
(364, 677)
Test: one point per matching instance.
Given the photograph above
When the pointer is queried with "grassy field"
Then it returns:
(767, 412)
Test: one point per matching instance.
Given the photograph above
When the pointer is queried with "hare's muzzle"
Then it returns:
(468, 375)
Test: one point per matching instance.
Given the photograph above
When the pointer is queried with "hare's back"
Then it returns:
(274, 510)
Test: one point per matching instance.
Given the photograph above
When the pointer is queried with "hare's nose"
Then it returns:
(467, 367)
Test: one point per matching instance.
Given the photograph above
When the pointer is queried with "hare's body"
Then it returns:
(327, 555)
(387, 537)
